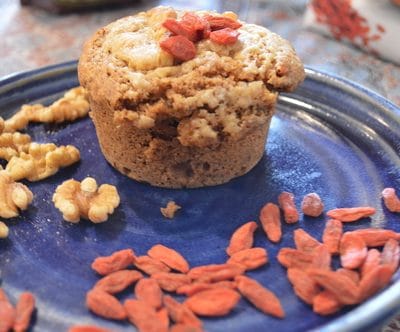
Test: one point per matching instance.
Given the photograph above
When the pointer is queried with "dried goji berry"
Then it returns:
(179, 29)
(321, 258)
(119, 260)
(87, 328)
(213, 302)
(143, 316)
(391, 200)
(181, 313)
(352, 274)
(391, 254)
(250, 258)
(225, 272)
(169, 257)
(196, 287)
(226, 36)
(312, 205)
(375, 237)
(304, 286)
(242, 238)
(332, 234)
(104, 305)
(117, 281)
(163, 317)
(372, 260)
(169, 281)
(373, 281)
(325, 303)
(262, 298)
(179, 47)
(7, 313)
(150, 265)
(221, 22)
(304, 241)
(148, 290)
(198, 24)
(24, 309)
(293, 258)
(288, 206)
(270, 217)
(200, 271)
(351, 214)
(353, 250)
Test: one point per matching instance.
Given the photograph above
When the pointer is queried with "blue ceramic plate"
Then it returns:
(330, 136)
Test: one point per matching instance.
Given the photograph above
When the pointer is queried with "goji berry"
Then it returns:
(250, 258)
(198, 24)
(7, 313)
(391, 254)
(169, 281)
(242, 238)
(373, 281)
(353, 250)
(304, 241)
(117, 281)
(304, 286)
(179, 47)
(213, 302)
(119, 260)
(148, 290)
(104, 305)
(181, 313)
(87, 328)
(391, 200)
(221, 22)
(372, 260)
(262, 298)
(312, 205)
(375, 237)
(325, 303)
(150, 265)
(163, 317)
(270, 217)
(196, 287)
(169, 257)
(143, 316)
(293, 258)
(179, 29)
(321, 258)
(288, 206)
(351, 214)
(24, 309)
(332, 234)
(226, 36)
(352, 274)
(225, 272)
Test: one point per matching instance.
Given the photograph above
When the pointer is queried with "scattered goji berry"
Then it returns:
(262, 298)
(391, 254)
(87, 328)
(332, 234)
(169, 257)
(375, 237)
(7, 313)
(170, 281)
(270, 217)
(242, 238)
(104, 305)
(148, 290)
(391, 200)
(312, 205)
(341, 286)
(150, 265)
(293, 258)
(143, 316)
(321, 258)
(213, 302)
(226, 36)
(373, 281)
(225, 272)
(372, 260)
(351, 214)
(179, 47)
(325, 303)
(181, 313)
(304, 286)
(24, 309)
(196, 287)
(304, 241)
(221, 22)
(353, 250)
(117, 281)
(250, 258)
(288, 206)
(352, 274)
(119, 260)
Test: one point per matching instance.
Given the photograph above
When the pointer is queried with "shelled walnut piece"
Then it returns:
(41, 161)
(12, 144)
(71, 106)
(85, 199)
(170, 210)
(14, 196)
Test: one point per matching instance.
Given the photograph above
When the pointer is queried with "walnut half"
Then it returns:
(14, 196)
(85, 199)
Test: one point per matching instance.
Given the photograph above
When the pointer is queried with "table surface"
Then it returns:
(32, 38)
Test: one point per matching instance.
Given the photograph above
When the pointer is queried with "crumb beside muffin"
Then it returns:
(179, 124)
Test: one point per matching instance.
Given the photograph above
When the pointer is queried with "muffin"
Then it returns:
(185, 99)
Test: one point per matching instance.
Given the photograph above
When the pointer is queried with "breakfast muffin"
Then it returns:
(185, 99)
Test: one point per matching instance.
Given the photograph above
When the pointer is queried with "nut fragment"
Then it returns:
(84, 199)
(170, 210)
(3, 230)
(14, 196)
(41, 161)
(12, 144)
(71, 106)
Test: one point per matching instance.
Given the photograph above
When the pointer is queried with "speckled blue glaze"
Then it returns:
(330, 136)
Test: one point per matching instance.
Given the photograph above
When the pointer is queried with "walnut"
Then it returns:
(3, 230)
(84, 199)
(71, 106)
(12, 144)
(170, 210)
(14, 196)
(41, 161)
